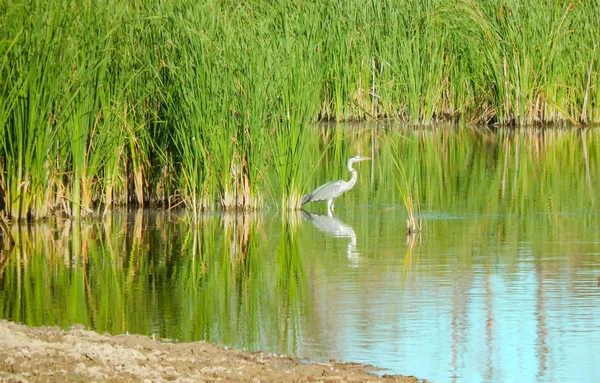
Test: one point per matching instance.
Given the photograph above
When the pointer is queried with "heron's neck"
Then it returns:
(354, 176)
(350, 168)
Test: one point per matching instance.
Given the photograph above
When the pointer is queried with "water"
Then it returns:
(478, 310)
(500, 286)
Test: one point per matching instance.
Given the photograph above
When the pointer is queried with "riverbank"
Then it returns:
(49, 354)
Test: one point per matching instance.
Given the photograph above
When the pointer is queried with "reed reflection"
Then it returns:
(149, 272)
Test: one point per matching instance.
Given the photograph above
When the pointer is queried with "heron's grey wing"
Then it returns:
(325, 192)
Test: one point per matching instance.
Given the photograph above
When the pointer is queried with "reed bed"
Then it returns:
(195, 104)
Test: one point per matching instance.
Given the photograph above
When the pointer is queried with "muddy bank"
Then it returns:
(49, 354)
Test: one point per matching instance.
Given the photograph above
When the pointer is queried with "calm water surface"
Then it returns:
(501, 285)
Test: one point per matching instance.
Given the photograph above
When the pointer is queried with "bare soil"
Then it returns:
(49, 354)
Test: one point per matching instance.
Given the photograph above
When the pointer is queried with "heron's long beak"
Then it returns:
(363, 158)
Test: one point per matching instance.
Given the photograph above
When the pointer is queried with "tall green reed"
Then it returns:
(195, 102)
(407, 182)
(222, 130)
(31, 77)
(524, 54)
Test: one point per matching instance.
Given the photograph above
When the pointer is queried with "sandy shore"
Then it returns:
(49, 354)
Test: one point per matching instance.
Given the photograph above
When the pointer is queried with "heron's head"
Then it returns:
(359, 158)
(354, 159)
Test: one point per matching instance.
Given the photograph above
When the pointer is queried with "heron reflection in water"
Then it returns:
(334, 227)
(333, 189)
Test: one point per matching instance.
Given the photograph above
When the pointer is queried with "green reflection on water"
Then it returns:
(248, 280)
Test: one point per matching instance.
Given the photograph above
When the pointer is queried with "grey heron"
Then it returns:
(333, 189)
